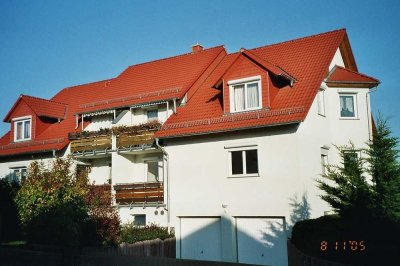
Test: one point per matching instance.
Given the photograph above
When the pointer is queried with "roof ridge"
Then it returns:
(42, 99)
(300, 38)
(171, 57)
(356, 72)
(85, 84)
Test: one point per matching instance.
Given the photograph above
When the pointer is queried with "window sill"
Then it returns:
(22, 140)
(349, 118)
(321, 115)
(247, 175)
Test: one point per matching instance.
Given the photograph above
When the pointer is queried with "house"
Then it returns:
(213, 145)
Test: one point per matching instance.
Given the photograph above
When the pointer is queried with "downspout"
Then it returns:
(76, 121)
(54, 153)
(369, 113)
(167, 175)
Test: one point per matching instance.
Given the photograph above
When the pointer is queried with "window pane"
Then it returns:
(152, 114)
(19, 130)
(140, 220)
(152, 171)
(237, 162)
(252, 95)
(324, 163)
(238, 92)
(347, 106)
(27, 129)
(350, 160)
(24, 174)
(251, 162)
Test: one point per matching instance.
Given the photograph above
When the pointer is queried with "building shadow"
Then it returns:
(255, 240)
(301, 210)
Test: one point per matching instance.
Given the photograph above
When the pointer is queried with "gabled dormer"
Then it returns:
(30, 116)
(251, 83)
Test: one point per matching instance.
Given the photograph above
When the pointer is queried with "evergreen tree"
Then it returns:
(346, 188)
(384, 168)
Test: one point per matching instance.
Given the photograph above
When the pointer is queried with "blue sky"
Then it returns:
(48, 45)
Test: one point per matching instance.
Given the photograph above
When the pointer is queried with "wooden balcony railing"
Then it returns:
(139, 193)
(95, 143)
(126, 140)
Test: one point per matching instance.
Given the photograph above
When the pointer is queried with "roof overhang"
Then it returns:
(230, 130)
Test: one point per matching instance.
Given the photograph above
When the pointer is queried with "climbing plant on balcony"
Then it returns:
(148, 126)
(89, 134)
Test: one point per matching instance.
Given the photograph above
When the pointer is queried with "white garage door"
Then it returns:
(201, 238)
(261, 241)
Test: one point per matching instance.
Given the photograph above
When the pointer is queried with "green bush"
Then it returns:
(132, 234)
(58, 207)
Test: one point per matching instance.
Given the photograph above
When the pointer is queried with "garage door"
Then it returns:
(261, 241)
(201, 238)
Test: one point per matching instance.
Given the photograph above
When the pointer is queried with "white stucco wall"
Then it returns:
(289, 160)
(337, 60)
(100, 171)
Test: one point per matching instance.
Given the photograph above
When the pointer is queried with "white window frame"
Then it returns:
(242, 148)
(356, 152)
(245, 82)
(19, 170)
(22, 120)
(355, 105)
(321, 102)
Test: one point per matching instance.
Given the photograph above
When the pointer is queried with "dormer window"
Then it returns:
(22, 129)
(245, 94)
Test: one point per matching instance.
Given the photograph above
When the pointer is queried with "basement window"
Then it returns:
(22, 129)
(139, 220)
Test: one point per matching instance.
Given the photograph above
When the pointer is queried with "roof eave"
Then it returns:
(354, 84)
(229, 130)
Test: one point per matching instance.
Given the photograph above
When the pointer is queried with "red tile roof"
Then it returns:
(153, 81)
(304, 61)
(342, 76)
(157, 80)
(41, 107)
(307, 59)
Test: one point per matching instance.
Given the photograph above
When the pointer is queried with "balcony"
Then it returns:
(139, 193)
(135, 136)
(90, 144)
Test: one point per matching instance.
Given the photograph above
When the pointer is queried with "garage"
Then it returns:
(200, 238)
(261, 240)
(257, 240)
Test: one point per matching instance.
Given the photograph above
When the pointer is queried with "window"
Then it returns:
(22, 129)
(139, 220)
(348, 107)
(245, 94)
(324, 164)
(321, 102)
(350, 159)
(152, 115)
(18, 174)
(152, 171)
(243, 162)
